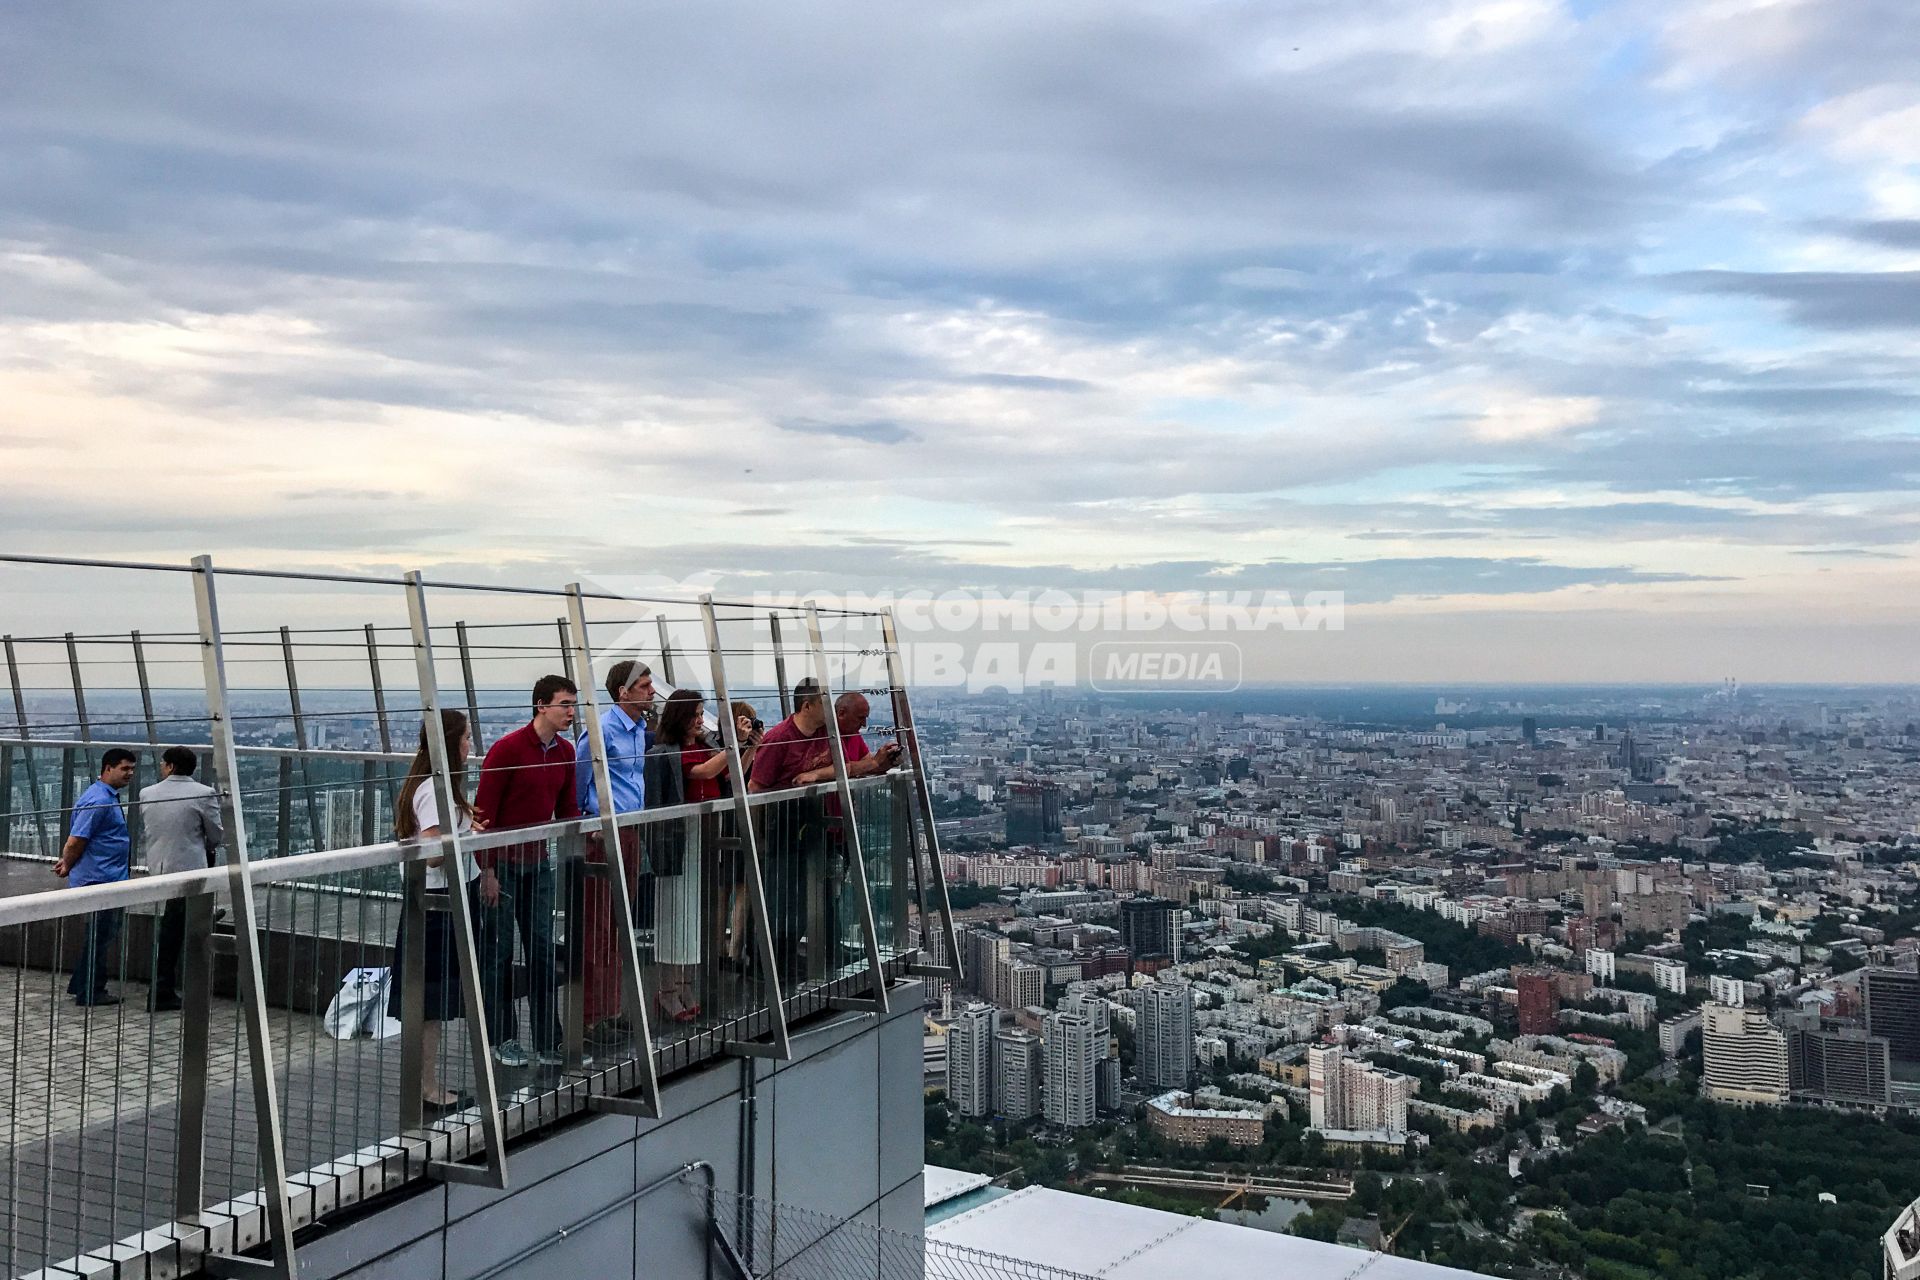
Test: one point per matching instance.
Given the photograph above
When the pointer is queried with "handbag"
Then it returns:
(360, 1006)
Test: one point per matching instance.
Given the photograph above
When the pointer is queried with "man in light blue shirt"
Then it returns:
(98, 850)
(623, 727)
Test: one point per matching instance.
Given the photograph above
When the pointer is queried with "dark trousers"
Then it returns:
(89, 980)
(169, 943)
(526, 902)
(800, 905)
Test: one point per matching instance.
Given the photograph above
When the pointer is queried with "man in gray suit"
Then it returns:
(182, 819)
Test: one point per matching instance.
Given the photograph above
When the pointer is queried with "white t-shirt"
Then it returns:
(426, 813)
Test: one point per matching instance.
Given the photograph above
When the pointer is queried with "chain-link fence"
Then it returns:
(766, 1240)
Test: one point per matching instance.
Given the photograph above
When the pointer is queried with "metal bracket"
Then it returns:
(614, 1104)
(947, 971)
(755, 1049)
(472, 1175)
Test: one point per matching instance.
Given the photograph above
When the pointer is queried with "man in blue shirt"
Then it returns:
(623, 726)
(97, 851)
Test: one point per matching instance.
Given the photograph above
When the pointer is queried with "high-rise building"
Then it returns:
(1023, 985)
(1539, 1006)
(1074, 1051)
(985, 950)
(1746, 1057)
(1107, 1084)
(341, 817)
(1892, 998)
(970, 1059)
(1018, 1074)
(1163, 1057)
(1150, 927)
(1839, 1064)
(1343, 1093)
(1529, 730)
(1722, 989)
(1033, 813)
(1094, 1007)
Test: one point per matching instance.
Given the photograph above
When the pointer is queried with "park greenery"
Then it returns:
(1447, 942)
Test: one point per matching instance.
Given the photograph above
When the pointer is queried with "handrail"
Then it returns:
(376, 580)
(141, 744)
(148, 890)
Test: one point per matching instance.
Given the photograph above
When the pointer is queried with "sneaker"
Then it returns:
(510, 1054)
(553, 1058)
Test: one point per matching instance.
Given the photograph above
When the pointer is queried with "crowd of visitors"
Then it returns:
(685, 873)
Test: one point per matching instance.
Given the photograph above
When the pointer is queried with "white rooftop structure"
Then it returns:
(941, 1184)
(1117, 1241)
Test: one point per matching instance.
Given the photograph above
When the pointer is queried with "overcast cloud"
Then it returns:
(1572, 318)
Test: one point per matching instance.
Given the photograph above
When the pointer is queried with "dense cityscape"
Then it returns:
(1605, 983)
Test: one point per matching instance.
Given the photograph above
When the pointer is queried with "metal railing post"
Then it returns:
(632, 988)
(780, 1046)
(413, 994)
(666, 651)
(900, 814)
(196, 1010)
(34, 805)
(465, 928)
(246, 937)
(566, 652)
(903, 721)
(283, 820)
(849, 821)
(466, 678)
(79, 689)
(315, 841)
(780, 666)
(379, 689)
(146, 687)
(6, 797)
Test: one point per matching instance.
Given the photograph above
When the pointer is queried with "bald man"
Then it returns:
(851, 710)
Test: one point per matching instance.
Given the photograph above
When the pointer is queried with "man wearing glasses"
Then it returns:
(527, 780)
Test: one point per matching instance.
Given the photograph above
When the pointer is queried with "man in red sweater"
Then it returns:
(526, 781)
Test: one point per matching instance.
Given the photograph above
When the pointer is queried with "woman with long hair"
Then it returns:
(681, 769)
(416, 816)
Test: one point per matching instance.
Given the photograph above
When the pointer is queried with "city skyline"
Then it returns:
(1568, 341)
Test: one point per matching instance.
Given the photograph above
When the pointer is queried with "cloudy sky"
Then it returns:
(1572, 340)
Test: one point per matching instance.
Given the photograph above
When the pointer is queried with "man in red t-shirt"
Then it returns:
(803, 881)
(527, 780)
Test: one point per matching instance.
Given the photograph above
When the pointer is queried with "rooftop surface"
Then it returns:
(1118, 1241)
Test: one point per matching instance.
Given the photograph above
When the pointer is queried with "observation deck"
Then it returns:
(721, 994)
